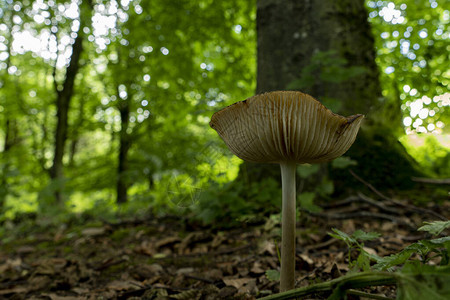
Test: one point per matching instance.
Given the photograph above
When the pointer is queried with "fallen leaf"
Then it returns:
(93, 231)
(120, 285)
(236, 282)
(167, 241)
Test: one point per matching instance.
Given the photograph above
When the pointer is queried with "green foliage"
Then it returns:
(411, 39)
(431, 154)
(235, 202)
(273, 275)
(343, 162)
(426, 249)
(436, 227)
(171, 64)
(418, 281)
(353, 242)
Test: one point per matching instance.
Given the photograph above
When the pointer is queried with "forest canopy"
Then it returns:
(109, 101)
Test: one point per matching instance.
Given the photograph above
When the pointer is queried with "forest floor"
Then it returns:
(172, 258)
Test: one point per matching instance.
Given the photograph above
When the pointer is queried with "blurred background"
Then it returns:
(105, 105)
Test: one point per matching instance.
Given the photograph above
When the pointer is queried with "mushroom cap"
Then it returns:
(285, 126)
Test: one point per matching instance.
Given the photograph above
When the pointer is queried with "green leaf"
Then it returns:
(343, 162)
(307, 202)
(340, 235)
(273, 275)
(436, 227)
(387, 262)
(365, 236)
(306, 170)
(326, 187)
(417, 281)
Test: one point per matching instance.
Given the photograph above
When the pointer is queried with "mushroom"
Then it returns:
(288, 128)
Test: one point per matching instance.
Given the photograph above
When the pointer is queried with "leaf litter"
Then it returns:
(169, 258)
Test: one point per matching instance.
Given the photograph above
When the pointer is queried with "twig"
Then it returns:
(431, 180)
(361, 214)
(215, 253)
(377, 204)
(411, 207)
(320, 245)
(358, 280)
(371, 187)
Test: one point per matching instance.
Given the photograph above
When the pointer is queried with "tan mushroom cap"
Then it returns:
(285, 126)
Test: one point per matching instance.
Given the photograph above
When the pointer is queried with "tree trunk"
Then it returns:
(326, 49)
(62, 114)
(292, 32)
(125, 144)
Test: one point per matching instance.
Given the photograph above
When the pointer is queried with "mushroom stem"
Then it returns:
(288, 170)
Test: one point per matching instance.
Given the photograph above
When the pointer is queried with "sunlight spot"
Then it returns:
(146, 77)
(423, 33)
(144, 103)
(203, 66)
(413, 92)
(147, 49)
(407, 121)
(138, 9)
(406, 88)
(423, 114)
(417, 123)
(123, 95)
(390, 14)
(389, 70)
(404, 47)
(237, 28)
(431, 127)
(164, 50)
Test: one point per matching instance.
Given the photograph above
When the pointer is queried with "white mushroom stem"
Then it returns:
(287, 279)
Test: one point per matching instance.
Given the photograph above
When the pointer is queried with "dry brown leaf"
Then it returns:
(266, 247)
(236, 282)
(124, 285)
(257, 268)
(167, 241)
(307, 259)
(146, 248)
(15, 290)
(249, 288)
(26, 249)
(93, 231)
(54, 296)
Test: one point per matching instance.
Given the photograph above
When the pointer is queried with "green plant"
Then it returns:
(426, 249)
(414, 279)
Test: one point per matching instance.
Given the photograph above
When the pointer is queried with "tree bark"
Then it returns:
(291, 32)
(125, 144)
(63, 98)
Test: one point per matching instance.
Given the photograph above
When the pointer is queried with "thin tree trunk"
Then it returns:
(125, 144)
(63, 99)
